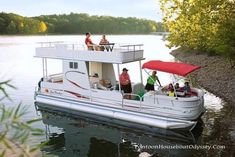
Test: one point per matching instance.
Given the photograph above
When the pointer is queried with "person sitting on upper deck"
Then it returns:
(103, 43)
(89, 43)
(125, 83)
(151, 81)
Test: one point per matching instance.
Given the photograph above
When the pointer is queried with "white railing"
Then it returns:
(50, 44)
(130, 94)
(63, 45)
(74, 46)
(132, 47)
(121, 53)
(77, 46)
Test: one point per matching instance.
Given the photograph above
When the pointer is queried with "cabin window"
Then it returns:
(73, 65)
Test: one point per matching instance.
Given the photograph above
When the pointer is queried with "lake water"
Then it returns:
(75, 136)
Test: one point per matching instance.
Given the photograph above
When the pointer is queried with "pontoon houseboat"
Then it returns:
(74, 90)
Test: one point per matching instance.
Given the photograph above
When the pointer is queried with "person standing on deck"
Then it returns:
(125, 83)
(151, 81)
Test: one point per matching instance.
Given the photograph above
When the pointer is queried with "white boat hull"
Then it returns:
(115, 113)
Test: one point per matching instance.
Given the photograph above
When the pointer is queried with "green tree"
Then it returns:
(207, 25)
(11, 28)
(2, 25)
(75, 24)
(20, 27)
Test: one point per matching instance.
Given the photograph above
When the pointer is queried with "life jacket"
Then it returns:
(171, 94)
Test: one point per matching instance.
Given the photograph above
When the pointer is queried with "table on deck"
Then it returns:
(108, 46)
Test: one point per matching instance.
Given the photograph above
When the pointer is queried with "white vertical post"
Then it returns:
(174, 86)
(119, 84)
(141, 75)
(46, 66)
(43, 72)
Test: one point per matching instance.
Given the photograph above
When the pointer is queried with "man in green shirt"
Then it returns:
(151, 81)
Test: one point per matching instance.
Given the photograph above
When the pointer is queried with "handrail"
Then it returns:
(128, 45)
(131, 47)
(140, 98)
(70, 45)
(49, 43)
(75, 46)
(57, 74)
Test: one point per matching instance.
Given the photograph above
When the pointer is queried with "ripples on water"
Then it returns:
(75, 136)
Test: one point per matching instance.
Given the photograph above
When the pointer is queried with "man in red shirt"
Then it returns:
(125, 83)
(89, 43)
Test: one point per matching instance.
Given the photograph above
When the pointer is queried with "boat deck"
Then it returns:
(119, 54)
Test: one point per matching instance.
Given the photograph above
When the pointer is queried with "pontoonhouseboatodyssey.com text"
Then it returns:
(196, 147)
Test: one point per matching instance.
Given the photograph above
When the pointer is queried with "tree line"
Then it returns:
(205, 26)
(15, 24)
(74, 23)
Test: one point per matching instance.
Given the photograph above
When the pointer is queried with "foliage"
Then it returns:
(207, 25)
(75, 24)
(2, 89)
(14, 132)
(82, 23)
(15, 24)
(42, 27)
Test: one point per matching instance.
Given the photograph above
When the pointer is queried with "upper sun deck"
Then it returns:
(66, 51)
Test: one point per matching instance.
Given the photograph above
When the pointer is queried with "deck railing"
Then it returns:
(49, 44)
(133, 47)
(77, 46)
(130, 94)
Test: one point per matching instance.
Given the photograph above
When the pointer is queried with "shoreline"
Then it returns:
(215, 75)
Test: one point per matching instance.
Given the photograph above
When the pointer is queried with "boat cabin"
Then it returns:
(87, 74)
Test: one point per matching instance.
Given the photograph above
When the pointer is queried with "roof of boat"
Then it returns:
(178, 68)
(121, 53)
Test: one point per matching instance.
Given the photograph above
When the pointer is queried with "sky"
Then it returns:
(148, 9)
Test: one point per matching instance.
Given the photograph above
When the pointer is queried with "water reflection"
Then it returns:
(80, 136)
(219, 131)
